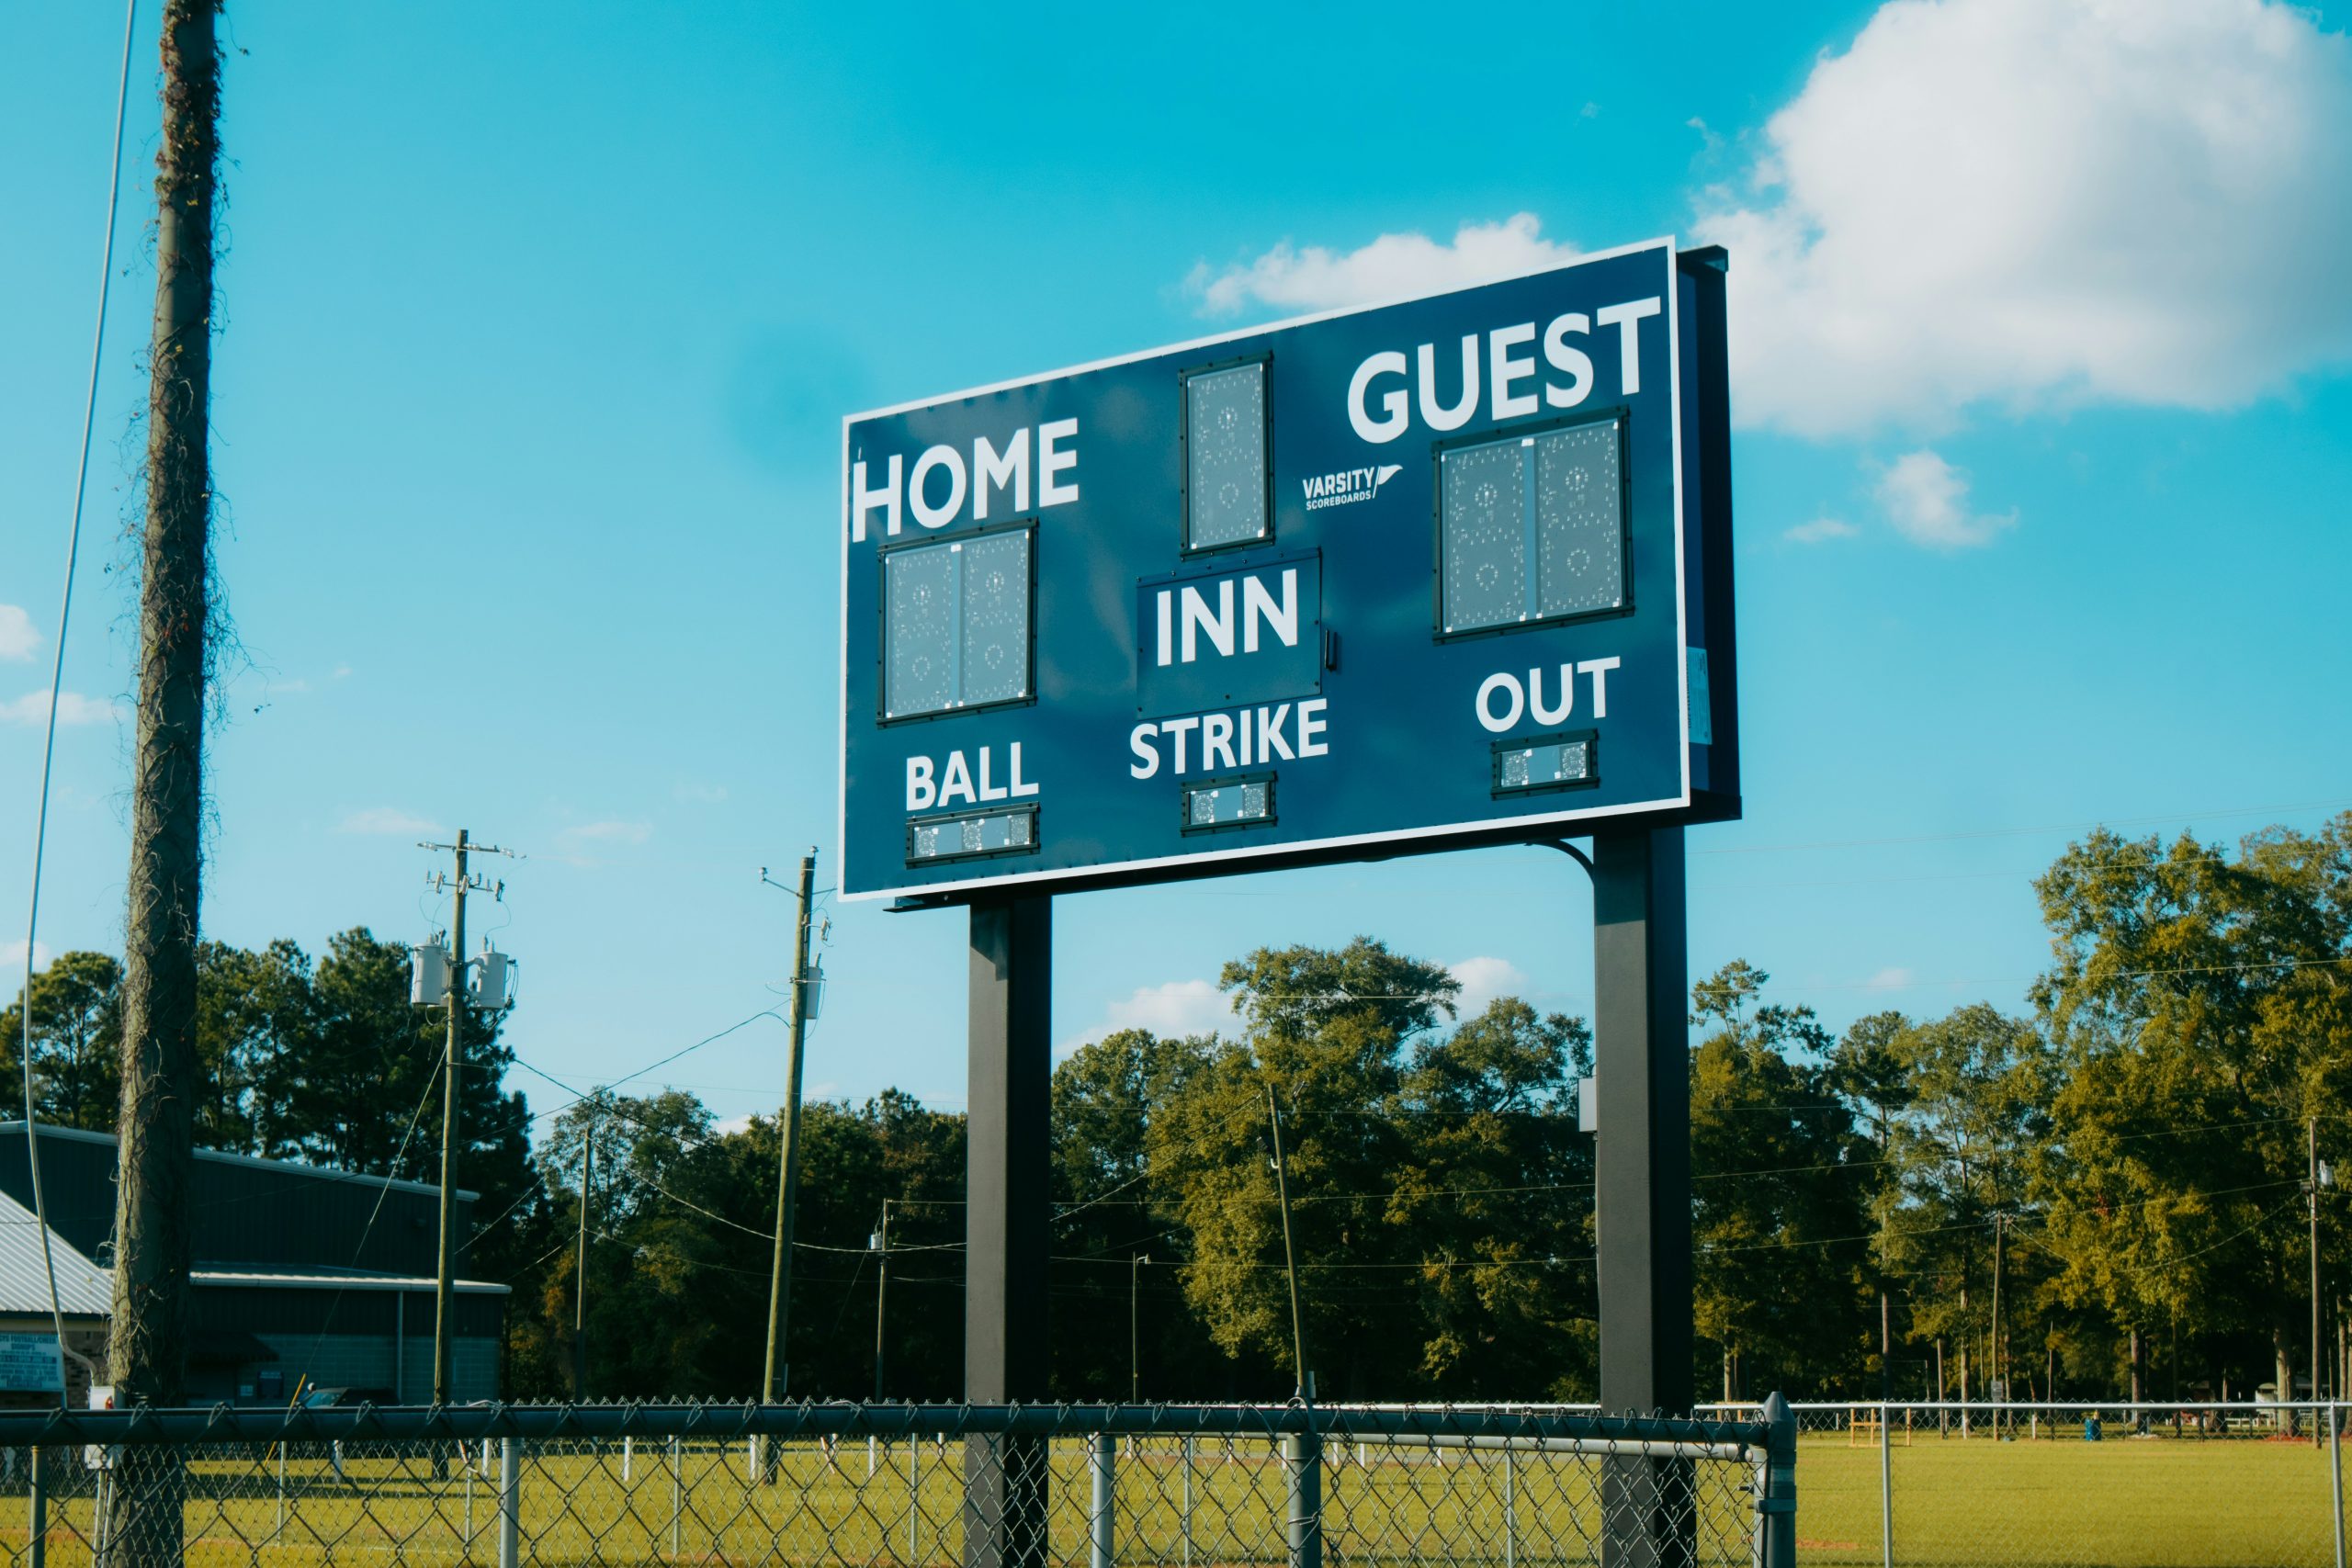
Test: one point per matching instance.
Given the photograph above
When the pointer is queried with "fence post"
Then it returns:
(2336, 1477)
(1106, 1491)
(1511, 1508)
(1188, 1502)
(677, 1492)
(1887, 1487)
(1303, 1469)
(1776, 1504)
(510, 1504)
(40, 1512)
(914, 1498)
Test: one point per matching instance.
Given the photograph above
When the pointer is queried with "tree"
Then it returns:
(2199, 1007)
(1964, 1147)
(1777, 1209)
(77, 1041)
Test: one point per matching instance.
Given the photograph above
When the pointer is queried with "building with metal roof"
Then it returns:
(304, 1276)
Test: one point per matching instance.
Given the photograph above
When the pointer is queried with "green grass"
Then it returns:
(2122, 1504)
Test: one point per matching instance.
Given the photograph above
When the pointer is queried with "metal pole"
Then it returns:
(677, 1493)
(2311, 1127)
(1511, 1508)
(914, 1498)
(1007, 1220)
(510, 1504)
(2335, 1474)
(1187, 1557)
(445, 1273)
(1302, 1472)
(1776, 1525)
(40, 1512)
(778, 1374)
(1885, 1489)
(1642, 1194)
(1105, 1458)
(1290, 1258)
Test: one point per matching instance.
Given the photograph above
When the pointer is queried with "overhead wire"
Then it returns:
(57, 685)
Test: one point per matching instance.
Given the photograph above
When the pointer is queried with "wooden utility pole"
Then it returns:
(580, 1277)
(778, 1375)
(147, 1344)
(147, 1347)
(445, 1271)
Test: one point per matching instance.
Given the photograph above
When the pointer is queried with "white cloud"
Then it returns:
(1927, 500)
(17, 637)
(1820, 531)
(610, 832)
(1484, 979)
(12, 961)
(2023, 202)
(73, 708)
(1177, 1008)
(390, 821)
(1889, 979)
(1392, 266)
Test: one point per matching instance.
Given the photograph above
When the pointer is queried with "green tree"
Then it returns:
(2200, 1006)
(76, 1041)
(1778, 1204)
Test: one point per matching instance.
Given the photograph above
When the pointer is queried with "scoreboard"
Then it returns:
(1451, 570)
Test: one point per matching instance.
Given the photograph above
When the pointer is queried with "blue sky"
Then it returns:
(537, 322)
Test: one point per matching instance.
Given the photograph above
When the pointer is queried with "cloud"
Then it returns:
(1820, 531)
(686, 792)
(389, 821)
(73, 708)
(1889, 979)
(1483, 980)
(12, 961)
(1390, 266)
(1927, 500)
(17, 637)
(2024, 203)
(610, 832)
(1177, 1008)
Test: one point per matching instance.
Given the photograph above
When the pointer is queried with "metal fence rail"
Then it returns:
(1000, 1486)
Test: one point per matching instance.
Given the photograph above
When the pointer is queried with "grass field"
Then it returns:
(2122, 1504)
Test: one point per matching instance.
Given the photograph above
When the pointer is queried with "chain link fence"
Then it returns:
(2070, 1485)
(986, 1486)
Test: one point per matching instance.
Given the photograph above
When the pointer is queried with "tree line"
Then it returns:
(2103, 1194)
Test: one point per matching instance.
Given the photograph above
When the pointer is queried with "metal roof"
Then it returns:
(222, 1157)
(338, 1280)
(83, 1290)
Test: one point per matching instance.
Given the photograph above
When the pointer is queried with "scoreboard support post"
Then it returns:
(1007, 1222)
(1641, 1072)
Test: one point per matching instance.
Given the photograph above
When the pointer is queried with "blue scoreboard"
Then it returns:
(1451, 570)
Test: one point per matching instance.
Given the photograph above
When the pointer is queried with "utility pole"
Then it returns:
(2311, 1126)
(881, 1293)
(444, 1326)
(778, 1374)
(580, 1285)
(1135, 1329)
(1290, 1258)
(147, 1348)
(2000, 1364)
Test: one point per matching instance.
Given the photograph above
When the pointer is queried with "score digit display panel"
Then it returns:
(1446, 571)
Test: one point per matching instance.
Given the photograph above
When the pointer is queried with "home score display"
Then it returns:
(1448, 572)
